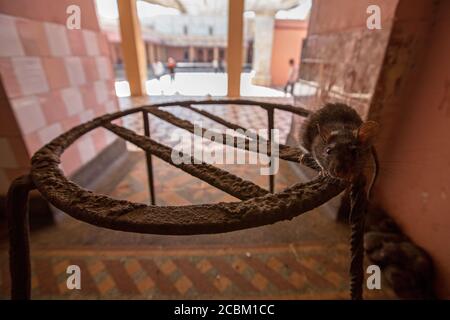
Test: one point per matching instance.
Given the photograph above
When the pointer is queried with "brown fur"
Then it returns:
(339, 140)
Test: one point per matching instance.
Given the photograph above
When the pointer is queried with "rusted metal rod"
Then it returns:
(285, 107)
(216, 177)
(217, 119)
(148, 158)
(270, 124)
(357, 217)
(19, 247)
(189, 126)
(285, 152)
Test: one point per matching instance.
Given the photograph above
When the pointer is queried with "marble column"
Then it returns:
(262, 50)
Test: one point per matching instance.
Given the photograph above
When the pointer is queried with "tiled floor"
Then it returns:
(305, 258)
(296, 271)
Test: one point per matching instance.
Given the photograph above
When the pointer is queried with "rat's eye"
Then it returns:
(353, 150)
(328, 150)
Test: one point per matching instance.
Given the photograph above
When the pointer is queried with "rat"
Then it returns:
(340, 142)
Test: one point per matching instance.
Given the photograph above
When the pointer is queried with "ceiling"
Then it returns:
(218, 7)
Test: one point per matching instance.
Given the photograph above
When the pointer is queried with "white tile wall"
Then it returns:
(91, 43)
(49, 133)
(110, 137)
(101, 91)
(111, 106)
(30, 75)
(10, 44)
(86, 116)
(57, 39)
(73, 100)
(86, 148)
(75, 71)
(103, 68)
(28, 113)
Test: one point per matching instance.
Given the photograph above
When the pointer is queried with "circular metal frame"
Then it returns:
(100, 210)
(257, 208)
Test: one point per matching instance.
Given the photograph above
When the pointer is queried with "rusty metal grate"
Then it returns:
(257, 208)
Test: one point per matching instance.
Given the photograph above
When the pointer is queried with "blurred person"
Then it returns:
(292, 77)
(221, 65)
(158, 69)
(171, 64)
(215, 65)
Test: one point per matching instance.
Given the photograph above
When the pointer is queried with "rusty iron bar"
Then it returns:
(217, 119)
(285, 152)
(358, 208)
(216, 177)
(148, 158)
(19, 245)
(265, 105)
(270, 121)
(270, 124)
(190, 127)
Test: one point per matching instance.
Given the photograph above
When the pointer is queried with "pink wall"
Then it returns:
(330, 16)
(176, 52)
(414, 182)
(400, 76)
(54, 79)
(341, 57)
(51, 11)
(287, 43)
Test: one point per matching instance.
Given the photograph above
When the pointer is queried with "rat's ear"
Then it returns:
(367, 132)
(323, 133)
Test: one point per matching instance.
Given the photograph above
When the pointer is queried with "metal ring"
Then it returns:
(104, 211)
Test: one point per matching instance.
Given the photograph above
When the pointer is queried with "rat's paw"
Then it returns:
(304, 158)
(308, 160)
